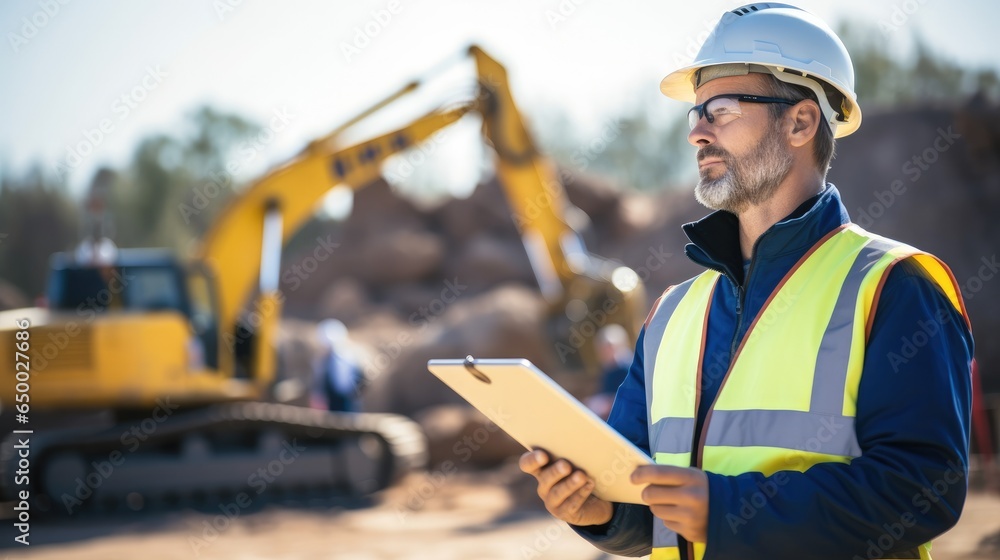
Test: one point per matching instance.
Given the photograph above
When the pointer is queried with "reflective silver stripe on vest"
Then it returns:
(662, 536)
(830, 379)
(654, 335)
(672, 435)
(831, 434)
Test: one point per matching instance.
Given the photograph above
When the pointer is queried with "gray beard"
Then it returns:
(749, 180)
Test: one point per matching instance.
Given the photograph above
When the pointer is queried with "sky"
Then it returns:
(82, 82)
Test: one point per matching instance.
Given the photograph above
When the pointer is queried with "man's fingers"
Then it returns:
(570, 507)
(667, 495)
(670, 514)
(565, 488)
(662, 474)
(550, 475)
(532, 461)
(679, 528)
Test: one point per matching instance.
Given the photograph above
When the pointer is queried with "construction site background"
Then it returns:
(415, 275)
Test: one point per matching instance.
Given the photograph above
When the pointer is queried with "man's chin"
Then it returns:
(711, 195)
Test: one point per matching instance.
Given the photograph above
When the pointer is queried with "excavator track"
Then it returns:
(237, 453)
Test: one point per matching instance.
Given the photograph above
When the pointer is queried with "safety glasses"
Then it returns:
(726, 108)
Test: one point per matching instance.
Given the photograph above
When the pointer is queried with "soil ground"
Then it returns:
(483, 515)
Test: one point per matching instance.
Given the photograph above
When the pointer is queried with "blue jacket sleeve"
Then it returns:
(909, 484)
(630, 531)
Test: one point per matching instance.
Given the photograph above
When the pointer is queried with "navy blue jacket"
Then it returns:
(913, 414)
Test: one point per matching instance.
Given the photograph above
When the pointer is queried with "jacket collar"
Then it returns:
(715, 241)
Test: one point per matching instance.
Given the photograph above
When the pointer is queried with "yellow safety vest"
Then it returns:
(789, 398)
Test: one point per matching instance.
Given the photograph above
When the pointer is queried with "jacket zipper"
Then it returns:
(698, 437)
(741, 294)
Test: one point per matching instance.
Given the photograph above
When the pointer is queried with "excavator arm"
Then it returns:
(243, 247)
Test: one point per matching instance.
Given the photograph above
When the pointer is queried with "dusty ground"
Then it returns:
(488, 515)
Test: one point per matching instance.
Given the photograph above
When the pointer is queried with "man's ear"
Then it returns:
(805, 117)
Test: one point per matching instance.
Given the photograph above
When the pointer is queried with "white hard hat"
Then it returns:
(790, 43)
(332, 331)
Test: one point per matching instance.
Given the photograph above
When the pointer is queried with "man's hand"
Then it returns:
(565, 491)
(678, 496)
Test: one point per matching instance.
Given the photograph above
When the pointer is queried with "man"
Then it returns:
(337, 374)
(615, 355)
(776, 392)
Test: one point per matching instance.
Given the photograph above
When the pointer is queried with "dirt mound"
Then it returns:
(504, 323)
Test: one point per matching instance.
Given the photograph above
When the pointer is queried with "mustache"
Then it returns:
(712, 151)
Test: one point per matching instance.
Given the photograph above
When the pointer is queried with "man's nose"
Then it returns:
(701, 134)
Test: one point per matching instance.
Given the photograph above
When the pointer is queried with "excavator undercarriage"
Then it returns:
(210, 455)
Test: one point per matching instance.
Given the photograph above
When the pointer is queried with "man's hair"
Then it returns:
(824, 144)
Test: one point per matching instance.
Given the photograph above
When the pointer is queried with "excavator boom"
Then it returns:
(563, 268)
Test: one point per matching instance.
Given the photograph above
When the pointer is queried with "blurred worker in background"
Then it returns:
(808, 395)
(615, 355)
(337, 374)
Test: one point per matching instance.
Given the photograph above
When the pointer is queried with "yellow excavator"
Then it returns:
(183, 353)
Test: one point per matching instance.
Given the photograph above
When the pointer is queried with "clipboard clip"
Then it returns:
(470, 366)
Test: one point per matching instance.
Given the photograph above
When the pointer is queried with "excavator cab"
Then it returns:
(139, 281)
(144, 280)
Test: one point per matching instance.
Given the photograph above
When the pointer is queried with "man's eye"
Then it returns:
(719, 110)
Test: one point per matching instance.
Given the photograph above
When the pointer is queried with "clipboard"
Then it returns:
(538, 413)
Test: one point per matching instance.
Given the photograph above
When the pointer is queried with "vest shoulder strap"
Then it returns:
(936, 270)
